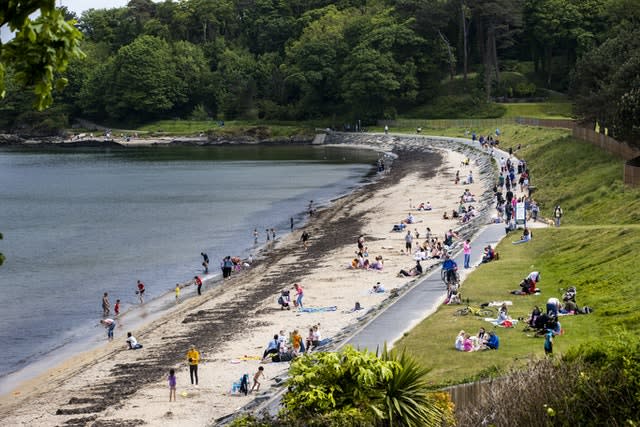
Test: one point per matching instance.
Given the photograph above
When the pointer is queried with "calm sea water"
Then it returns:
(83, 222)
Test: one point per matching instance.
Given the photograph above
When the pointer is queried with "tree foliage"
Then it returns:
(40, 49)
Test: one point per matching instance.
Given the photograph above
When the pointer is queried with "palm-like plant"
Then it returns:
(404, 399)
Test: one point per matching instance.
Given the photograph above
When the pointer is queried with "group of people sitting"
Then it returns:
(481, 341)
(283, 349)
(423, 207)
(430, 249)
(361, 260)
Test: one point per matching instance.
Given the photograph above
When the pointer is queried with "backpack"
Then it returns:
(244, 384)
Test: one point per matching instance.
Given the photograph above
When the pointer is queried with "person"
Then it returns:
(305, 239)
(291, 225)
(408, 239)
(116, 308)
(205, 257)
(415, 271)
(450, 267)
(316, 337)
(467, 344)
(193, 357)
(273, 347)
(177, 292)
(205, 267)
(489, 254)
(548, 342)
(386, 129)
(172, 384)
(255, 236)
(227, 267)
(297, 342)
(256, 379)
(526, 236)
(106, 305)
(299, 295)
(110, 324)
(378, 288)
(467, 253)
(133, 342)
(534, 277)
(493, 342)
(459, 343)
(140, 292)
(557, 214)
(198, 282)
(273, 234)
(553, 307)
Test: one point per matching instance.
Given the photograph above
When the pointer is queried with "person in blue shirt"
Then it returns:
(450, 266)
(493, 342)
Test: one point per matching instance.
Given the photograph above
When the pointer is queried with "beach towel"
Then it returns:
(318, 309)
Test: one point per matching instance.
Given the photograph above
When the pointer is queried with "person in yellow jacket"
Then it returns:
(193, 357)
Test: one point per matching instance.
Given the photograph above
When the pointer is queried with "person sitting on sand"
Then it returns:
(273, 347)
(445, 216)
(415, 271)
(421, 206)
(377, 264)
(410, 219)
(378, 288)
(133, 342)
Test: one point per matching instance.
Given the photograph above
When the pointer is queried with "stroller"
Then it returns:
(285, 300)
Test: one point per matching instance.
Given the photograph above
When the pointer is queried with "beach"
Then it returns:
(232, 322)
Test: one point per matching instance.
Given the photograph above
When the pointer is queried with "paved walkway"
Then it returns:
(413, 306)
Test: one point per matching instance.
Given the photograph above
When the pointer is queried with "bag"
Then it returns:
(586, 309)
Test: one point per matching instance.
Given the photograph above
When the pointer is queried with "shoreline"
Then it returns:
(110, 387)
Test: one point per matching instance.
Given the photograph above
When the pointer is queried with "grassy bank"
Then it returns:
(595, 250)
(230, 128)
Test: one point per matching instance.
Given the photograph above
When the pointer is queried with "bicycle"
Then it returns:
(475, 310)
(456, 277)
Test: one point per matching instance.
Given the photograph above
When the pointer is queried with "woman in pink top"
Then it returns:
(299, 295)
(467, 252)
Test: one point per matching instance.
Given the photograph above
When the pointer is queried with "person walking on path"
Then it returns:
(193, 357)
(140, 292)
(408, 239)
(172, 385)
(299, 295)
(557, 215)
(198, 282)
(106, 305)
(467, 253)
(110, 324)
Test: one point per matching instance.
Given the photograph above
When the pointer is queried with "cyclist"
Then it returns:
(450, 267)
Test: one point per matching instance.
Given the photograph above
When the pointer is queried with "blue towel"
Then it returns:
(318, 309)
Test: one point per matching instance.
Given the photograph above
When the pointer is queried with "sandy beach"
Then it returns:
(231, 323)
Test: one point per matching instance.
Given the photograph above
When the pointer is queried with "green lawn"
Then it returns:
(595, 250)
(230, 128)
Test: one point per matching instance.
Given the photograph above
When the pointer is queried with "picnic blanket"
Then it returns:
(499, 303)
(318, 309)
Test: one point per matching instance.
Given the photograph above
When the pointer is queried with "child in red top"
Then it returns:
(116, 308)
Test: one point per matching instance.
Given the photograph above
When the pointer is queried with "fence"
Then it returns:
(472, 124)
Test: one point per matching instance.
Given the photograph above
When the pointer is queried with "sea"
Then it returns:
(80, 222)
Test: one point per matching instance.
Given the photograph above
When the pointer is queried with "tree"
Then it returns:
(41, 48)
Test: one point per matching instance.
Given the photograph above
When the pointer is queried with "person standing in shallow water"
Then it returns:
(291, 219)
(106, 305)
(198, 282)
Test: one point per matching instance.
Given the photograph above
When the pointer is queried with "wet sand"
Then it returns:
(113, 386)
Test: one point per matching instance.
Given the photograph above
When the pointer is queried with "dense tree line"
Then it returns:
(365, 59)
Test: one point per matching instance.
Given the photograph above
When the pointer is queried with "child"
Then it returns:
(116, 308)
(256, 379)
(172, 384)
(177, 292)
(548, 342)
